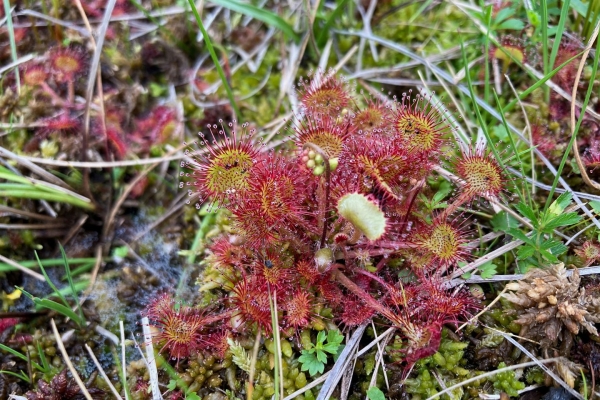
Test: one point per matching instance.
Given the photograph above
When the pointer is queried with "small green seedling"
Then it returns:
(314, 358)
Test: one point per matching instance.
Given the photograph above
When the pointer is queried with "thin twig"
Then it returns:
(61, 347)
(123, 360)
(541, 365)
(512, 277)
(152, 371)
(111, 216)
(92, 80)
(102, 373)
(474, 317)
(345, 357)
(529, 132)
(492, 373)
(21, 268)
(582, 168)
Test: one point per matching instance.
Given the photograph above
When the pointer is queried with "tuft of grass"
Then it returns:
(545, 58)
(215, 58)
(64, 308)
(261, 14)
(11, 38)
(563, 161)
(33, 189)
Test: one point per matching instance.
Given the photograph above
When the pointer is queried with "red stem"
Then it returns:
(360, 293)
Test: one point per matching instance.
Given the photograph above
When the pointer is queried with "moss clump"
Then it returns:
(448, 364)
(507, 382)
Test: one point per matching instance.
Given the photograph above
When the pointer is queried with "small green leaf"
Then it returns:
(527, 212)
(375, 393)
(559, 205)
(595, 205)
(172, 384)
(321, 356)
(503, 221)
(517, 234)
(534, 18)
(554, 246)
(563, 220)
(334, 337)
(487, 270)
(442, 192)
(321, 336)
(310, 363)
(504, 14)
(525, 252)
(120, 253)
(512, 24)
(548, 255)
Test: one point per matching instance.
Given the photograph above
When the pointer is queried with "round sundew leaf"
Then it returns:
(364, 214)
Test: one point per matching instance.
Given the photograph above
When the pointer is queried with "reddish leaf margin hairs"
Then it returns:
(336, 213)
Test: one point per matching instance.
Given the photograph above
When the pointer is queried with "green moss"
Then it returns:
(507, 382)
(449, 365)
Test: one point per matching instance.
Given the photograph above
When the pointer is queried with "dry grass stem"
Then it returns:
(23, 269)
(63, 351)
(102, 373)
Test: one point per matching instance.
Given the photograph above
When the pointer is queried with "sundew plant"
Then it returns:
(330, 221)
(312, 200)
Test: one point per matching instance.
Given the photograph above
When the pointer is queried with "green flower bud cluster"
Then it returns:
(316, 163)
(507, 382)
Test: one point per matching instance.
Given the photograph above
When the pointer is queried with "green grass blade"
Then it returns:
(54, 306)
(43, 358)
(544, 27)
(486, 55)
(79, 270)
(564, 15)
(71, 285)
(51, 262)
(78, 286)
(20, 355)
(539, 83)
(260, 14)
(420, 11)
(25, 192)
(21, 376)
(171, 372)
(576, 130)
(482, 123)
(515, 152)
(14, 352)
(322, 38)
(214, 57)
(11, 38)
(50, 283)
